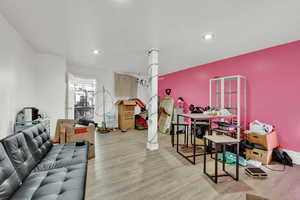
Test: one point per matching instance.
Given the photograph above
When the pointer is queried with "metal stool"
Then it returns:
(221, 140)
(185, 132)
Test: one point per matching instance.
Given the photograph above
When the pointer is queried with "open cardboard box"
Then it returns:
(262, 156)
(268, 141)
(126, 114)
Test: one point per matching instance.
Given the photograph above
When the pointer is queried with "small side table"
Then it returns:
(176, 131)
(221, 140)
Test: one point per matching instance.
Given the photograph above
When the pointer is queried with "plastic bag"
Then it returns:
(260, 128)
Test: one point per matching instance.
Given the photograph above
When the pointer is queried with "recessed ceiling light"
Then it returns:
(96, 52)
(208, 36)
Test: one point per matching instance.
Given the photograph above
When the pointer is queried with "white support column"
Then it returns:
(152, 142)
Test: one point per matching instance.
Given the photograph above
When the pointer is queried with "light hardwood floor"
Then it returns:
(123, 169)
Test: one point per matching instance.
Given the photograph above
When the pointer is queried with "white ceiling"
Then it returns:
(124, 29)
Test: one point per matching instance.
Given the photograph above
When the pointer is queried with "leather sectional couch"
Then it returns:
(32, 168)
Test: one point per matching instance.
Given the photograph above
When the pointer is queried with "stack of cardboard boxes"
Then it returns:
(69, 131)
(268, 142)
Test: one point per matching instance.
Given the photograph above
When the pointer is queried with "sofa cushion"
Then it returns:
(9, 180)
(62, 155)
(19, 154)
(38, 140)
(66, 183)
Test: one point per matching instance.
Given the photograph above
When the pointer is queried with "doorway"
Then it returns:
(81, 98)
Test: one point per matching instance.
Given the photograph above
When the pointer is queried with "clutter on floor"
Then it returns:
(141, 121)
(282, 157)
(256, 172)
(103, 130)
(141, 118)
(230, 158)
(86, 122)
(254, 163)
(261, 140)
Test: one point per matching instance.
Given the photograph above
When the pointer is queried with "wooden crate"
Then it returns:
(269, 141)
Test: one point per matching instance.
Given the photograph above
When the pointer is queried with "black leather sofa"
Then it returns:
(32, 168)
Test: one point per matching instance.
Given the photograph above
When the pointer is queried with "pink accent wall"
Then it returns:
(273, 78)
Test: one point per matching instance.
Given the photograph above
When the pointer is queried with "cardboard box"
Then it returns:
(79, 133)
(126, 109)
(62, 135)
(60, 132)
(262, 156)
(91, 153)
(269, 141)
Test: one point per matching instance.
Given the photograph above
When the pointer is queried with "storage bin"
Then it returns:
(269, 141)
(262, 156)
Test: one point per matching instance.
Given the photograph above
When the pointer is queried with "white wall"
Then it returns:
(17, 76)
(51, 87)
(28, 78)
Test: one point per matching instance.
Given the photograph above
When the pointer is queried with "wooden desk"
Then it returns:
(194, 117)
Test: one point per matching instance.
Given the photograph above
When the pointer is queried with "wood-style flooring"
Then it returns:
(123, 169)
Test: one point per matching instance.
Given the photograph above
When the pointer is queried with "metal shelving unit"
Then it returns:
(230, 93)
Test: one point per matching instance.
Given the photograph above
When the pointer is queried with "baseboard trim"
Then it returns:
(294, 155)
